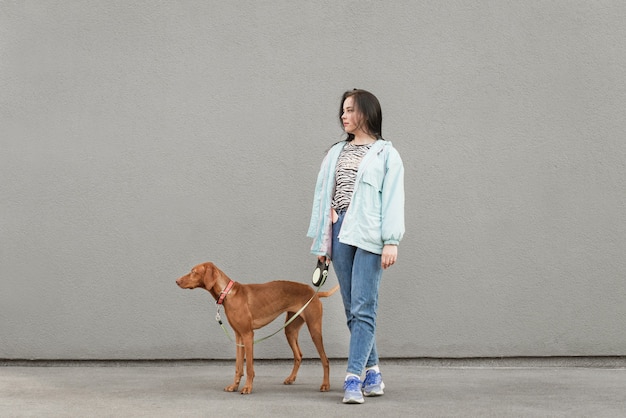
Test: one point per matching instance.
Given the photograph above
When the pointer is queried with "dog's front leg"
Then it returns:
(238, 366)
(248, 342)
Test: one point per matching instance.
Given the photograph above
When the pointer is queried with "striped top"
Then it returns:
(345, 173)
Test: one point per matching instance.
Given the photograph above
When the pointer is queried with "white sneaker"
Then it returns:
(373, 384)
(352, 388)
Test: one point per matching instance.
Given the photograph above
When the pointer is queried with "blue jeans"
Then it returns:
(359, 273)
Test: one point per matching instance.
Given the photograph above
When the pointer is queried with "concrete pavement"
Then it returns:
(421, 388)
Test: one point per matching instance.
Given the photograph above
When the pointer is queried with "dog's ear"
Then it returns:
(211, 274)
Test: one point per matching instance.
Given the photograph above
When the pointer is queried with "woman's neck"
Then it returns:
(363, 139)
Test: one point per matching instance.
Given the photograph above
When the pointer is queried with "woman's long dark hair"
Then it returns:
(368, 105)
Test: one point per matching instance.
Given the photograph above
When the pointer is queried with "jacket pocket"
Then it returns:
(370, 191)
(373, 179)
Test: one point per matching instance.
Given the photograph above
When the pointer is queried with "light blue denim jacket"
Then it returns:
(375, 216)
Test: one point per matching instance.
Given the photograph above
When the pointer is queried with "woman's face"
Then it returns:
(351, 117)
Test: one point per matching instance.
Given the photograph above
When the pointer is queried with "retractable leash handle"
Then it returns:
(320, 273)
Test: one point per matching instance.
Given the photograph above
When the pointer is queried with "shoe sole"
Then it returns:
(375, 392)
(353, 401)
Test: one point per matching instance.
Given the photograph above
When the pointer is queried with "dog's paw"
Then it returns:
(231, 388)
(246, 390)
(290, 380)
(325, 387)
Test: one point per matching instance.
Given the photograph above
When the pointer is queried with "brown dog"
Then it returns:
(252, 306)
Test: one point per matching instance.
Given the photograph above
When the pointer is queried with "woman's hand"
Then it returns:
(323, 259)
(389, 256)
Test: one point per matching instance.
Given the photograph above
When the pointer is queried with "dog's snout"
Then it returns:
(184, 282)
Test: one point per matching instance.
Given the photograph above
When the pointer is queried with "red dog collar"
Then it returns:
(225, 292)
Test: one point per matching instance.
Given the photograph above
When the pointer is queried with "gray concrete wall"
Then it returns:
(140, 138)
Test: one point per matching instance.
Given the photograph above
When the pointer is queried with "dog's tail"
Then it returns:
(328, 293)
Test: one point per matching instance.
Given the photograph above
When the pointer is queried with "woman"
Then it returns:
(358, 215)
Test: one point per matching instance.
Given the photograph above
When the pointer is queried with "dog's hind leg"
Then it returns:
(291, 332)
(315, 329)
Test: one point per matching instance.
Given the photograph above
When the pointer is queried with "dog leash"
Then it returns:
(218, 318)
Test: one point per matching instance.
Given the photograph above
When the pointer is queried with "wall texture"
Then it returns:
(140, 138)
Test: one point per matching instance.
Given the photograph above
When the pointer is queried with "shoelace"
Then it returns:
(353, 384)
(372, 378)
